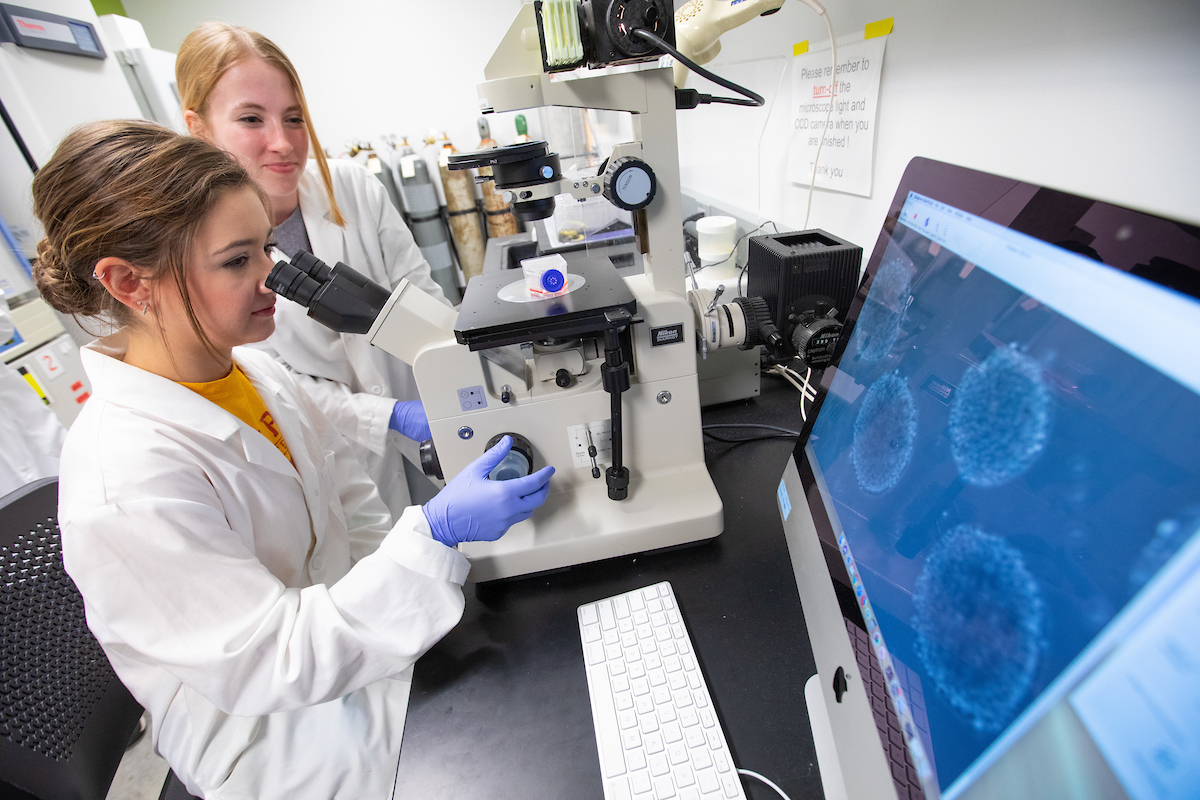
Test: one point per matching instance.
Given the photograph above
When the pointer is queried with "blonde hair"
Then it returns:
(128, 189)
(213, 48)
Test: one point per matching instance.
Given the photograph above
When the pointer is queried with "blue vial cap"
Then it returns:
(553, 280)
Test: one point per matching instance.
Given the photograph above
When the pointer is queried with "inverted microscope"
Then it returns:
(597, 378)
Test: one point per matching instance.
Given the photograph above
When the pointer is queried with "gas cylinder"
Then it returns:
(459, 187)
(500, 219)
(425, 219)
(522, 129)
(378, 166)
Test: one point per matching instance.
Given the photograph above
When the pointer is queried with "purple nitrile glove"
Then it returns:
(408, 419)
(474, 508)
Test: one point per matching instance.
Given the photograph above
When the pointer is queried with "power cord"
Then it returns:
(807, 390)
(828, 114)
(690, 98)
(781, 433)
(755, 775)
(742, 272)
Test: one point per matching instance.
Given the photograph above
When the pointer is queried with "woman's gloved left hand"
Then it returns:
(408, 419)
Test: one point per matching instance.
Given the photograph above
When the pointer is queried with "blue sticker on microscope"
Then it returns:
(785, 503)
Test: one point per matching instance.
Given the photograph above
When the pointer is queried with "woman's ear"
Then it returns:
(194, 122)
(124, 282)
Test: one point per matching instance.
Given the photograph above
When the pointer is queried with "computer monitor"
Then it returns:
(1001, 487)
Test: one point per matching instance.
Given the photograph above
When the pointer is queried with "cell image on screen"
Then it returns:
(1007, 479)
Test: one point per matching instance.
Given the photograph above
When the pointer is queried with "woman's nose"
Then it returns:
(268, 265)
(278, 140)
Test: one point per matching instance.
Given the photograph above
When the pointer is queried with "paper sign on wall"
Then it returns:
(847, 155)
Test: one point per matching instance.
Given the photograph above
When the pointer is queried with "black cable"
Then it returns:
(742, 272)
(754, 425)
(754, 99)
(781, 433)
(16, 135)
(716, 438)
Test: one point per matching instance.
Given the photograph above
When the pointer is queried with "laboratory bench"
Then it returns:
(500, 706)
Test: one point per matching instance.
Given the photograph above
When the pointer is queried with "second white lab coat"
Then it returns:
(31, 437)
(356, 384)
(263, 613)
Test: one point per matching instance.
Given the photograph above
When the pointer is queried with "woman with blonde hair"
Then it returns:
(236, 563)
(240, 92)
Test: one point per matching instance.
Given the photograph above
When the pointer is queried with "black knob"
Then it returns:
(429, 460)
(563, 378)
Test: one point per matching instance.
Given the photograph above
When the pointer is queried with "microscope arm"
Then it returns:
(409, 322)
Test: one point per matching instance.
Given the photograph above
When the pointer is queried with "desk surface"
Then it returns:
(500, 706)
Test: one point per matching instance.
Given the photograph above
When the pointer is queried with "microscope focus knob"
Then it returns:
(629, 183)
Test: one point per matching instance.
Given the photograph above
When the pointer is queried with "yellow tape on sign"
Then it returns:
(34, 384)
(881, 28)
(800, 49)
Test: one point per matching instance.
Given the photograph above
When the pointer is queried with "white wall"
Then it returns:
(369, 68)
(1095, 97)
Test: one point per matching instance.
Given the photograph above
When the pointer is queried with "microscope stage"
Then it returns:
(485, 320)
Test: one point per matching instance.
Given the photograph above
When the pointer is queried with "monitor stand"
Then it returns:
(822, 731)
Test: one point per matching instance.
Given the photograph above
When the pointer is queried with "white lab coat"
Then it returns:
(31, 437)
(262, 613)
(356, 384)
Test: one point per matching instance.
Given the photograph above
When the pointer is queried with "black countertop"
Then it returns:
(500, 707)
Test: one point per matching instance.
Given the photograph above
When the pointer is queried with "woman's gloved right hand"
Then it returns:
(473, 508)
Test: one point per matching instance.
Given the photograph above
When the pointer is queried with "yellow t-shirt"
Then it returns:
(237, 395)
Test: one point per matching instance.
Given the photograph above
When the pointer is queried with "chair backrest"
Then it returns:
(65, 718)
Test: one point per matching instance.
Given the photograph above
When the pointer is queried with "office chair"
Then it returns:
(173, 789)
(65, 718)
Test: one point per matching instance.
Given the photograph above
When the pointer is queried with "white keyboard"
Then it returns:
(656, 728)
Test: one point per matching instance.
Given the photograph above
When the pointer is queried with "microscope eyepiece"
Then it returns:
(337, 297)
(291, 283)
(312, 266)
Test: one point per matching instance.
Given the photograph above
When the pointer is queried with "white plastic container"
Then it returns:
(545, 276)
(716, 239)
(717, 246)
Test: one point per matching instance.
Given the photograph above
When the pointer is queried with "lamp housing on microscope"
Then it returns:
(599, 33)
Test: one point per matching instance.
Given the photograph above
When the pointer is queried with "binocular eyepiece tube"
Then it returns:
(338, 297)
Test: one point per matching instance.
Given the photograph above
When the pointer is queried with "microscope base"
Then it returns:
(670, 508)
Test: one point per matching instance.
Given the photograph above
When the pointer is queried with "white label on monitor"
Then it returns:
(785, 502)
(41, 29)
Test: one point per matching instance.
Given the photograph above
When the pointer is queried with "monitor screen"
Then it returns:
(1008, 453)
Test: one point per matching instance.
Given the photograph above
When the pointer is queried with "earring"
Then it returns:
(145, 306)
(95, 277)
